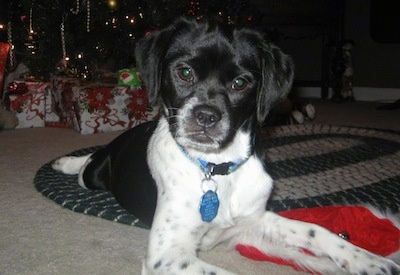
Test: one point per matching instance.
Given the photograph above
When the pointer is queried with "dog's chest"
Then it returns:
(182, 185)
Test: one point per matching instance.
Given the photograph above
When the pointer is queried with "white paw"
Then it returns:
(68, 165)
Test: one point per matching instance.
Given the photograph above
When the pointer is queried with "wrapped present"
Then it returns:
(27, 100)
(51, 116)
(129, 77)
(63, 100)
(37, 86)
(45, 88)
(93, 107)
(17, 87)
(104, 109)
(29, 109)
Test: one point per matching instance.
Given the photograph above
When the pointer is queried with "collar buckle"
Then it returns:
(211, 169)
(220, 169)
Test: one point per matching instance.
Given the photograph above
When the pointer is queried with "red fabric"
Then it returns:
(139, 103)
(255, 254)
(4, 48)
(365, 230)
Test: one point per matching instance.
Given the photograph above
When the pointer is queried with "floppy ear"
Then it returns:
(150, 52)
(276, 81)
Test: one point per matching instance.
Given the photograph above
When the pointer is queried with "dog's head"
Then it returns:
(213, 81)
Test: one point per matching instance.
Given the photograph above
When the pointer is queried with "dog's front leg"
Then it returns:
(178, 260)
(70, 165)
(174, 240)
(288, 237)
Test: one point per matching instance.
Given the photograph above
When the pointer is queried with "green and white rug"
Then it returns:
(315, 165)
(312, 165)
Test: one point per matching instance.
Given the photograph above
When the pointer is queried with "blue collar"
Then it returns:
(211, 169)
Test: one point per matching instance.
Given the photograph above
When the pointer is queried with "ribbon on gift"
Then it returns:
(109, 117)
(28, 103)
(17, 87)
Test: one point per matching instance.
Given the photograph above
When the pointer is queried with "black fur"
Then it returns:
(116, 168)
(215, 85)
(216, 56)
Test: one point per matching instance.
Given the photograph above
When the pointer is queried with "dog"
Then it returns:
(197, 174)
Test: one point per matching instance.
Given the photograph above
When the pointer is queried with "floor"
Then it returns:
(357, 113)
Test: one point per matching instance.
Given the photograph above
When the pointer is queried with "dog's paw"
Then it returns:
(68, 165)
(364, 262)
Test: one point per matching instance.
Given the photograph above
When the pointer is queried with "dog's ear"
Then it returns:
(150, 52)
(276, 81)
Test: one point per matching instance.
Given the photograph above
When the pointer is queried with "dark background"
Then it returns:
(309, 30)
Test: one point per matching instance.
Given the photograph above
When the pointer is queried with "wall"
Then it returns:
(375, 64)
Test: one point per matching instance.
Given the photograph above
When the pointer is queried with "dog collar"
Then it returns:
(211, 169)
(209, 202)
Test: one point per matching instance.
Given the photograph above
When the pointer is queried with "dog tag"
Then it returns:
(209, 206)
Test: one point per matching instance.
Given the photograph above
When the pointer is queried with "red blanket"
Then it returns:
(364, 229)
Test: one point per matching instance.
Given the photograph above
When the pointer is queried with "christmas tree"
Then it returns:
(74, 36)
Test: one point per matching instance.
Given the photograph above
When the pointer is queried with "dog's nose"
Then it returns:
(206, 116)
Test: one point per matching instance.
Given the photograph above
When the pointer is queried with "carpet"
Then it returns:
(312, 165)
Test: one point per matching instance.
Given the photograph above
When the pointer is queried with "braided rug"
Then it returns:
(312, 165)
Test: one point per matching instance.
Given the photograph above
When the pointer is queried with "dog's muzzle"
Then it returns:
(202, 126)
(206, 116)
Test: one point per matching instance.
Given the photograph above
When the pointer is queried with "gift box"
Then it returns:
(98, 107)
(94, 107)
(63, 100)
(104, 109)
(29, 109)
(26, 99)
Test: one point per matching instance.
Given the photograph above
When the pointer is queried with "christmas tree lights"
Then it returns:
(48, 35)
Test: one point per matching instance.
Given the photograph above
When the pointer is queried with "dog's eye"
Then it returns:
(185, 74)
(239, 84)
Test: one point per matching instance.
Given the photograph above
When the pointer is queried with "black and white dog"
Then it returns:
(196, 175)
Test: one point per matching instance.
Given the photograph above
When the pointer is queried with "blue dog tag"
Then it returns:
(209, 205)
